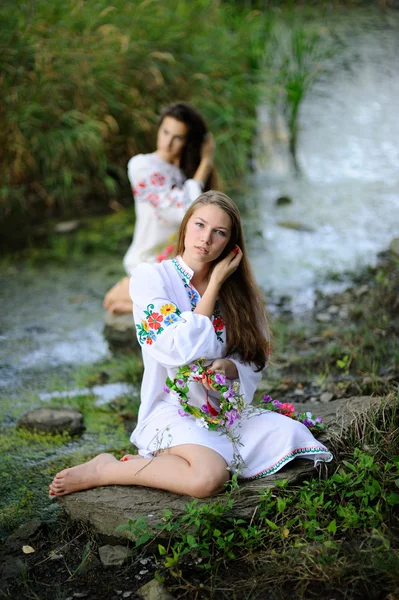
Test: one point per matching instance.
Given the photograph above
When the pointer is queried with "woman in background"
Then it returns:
(164, 184)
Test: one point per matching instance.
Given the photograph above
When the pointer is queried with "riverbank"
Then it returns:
(313, 541)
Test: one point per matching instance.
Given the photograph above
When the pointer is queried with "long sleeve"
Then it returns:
(162, 196)
(248, 378)
(170, 336)
(161, 185)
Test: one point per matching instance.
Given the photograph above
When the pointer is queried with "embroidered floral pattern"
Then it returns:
(155, 322)
(158, 179)
(193, 295)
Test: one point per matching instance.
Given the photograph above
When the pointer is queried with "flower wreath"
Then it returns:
(232, 402)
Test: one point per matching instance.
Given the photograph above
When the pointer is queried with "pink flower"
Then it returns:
(287, 409)
(157, 179)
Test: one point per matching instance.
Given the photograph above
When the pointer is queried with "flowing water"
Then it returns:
(347, 199)
(348, 194)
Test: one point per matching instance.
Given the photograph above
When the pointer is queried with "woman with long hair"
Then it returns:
(164, 183)
(203, 305)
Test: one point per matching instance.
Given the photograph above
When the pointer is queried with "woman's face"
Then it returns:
(172, 136)
(208, 232)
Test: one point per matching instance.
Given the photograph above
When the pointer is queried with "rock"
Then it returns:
(323, 317)
(283, 201)
(106, 508)
(333, 309)
(12, 568)
(298, 392)
(119, 330)
(112, 556)
(66, 226)
(154, 590)
(394, 246)
(360, 291)
(326, 397)
(26, 531)
(296, 225)
(53, 420)
(344, 312)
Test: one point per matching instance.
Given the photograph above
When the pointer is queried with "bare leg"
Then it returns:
(117, 300)
(188, 469)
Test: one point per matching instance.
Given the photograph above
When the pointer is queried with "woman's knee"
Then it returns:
(208, 482)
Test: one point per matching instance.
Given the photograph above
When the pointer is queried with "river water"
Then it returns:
(348, 192)
(348, 196)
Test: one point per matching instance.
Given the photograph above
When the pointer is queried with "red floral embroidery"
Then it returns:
(157, 179)
(218, 323)
(148, 341)
(153, 199)
(142, 184)
(155, 320)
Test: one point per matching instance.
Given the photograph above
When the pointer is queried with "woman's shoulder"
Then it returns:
(141, 159)
(150, 277)
(146, 271)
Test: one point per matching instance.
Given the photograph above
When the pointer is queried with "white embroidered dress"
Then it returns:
(172, 335)
(162, 195)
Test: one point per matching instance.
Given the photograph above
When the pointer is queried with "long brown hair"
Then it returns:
(241, 302)
(197, 130)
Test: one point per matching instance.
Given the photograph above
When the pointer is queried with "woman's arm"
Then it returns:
(153, 184)
(220, 273)
(171, 337)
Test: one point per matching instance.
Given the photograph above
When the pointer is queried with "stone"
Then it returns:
(283, 201)
(66, 226)
(326, 397)
(112, 556)
(26, 531)
(119, 330)
(323, 317)
(12, 568)
(53, 420)
(296, 225)
(360, 291)
(154, 590)
(394, 246)
(333, 309)
(108, 507)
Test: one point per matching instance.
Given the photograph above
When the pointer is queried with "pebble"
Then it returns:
(326, 397)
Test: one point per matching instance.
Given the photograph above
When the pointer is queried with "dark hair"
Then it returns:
(241, 301)
(197, 131)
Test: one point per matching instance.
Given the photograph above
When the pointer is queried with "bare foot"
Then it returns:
(118, 293)
(82, 477)
(129, 457)
(121, 307)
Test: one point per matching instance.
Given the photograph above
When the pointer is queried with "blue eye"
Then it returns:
(200, 224)
(220, 232)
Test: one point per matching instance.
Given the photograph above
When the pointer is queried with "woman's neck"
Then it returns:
(200, 276)
(175, 162)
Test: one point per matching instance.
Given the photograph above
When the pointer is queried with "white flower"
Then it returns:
(201, 423)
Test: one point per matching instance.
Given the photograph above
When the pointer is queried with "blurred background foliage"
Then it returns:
(82, 85)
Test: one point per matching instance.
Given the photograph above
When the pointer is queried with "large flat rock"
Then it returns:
(107, 507)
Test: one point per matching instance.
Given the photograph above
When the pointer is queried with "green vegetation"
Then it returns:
(82, 86)
(28, 461)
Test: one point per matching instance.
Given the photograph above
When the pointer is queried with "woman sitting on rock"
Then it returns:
(164, 184)
(203, 305)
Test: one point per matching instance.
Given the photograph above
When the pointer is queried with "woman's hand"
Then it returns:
(208, 149)
(226, 267)
(224, 366)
